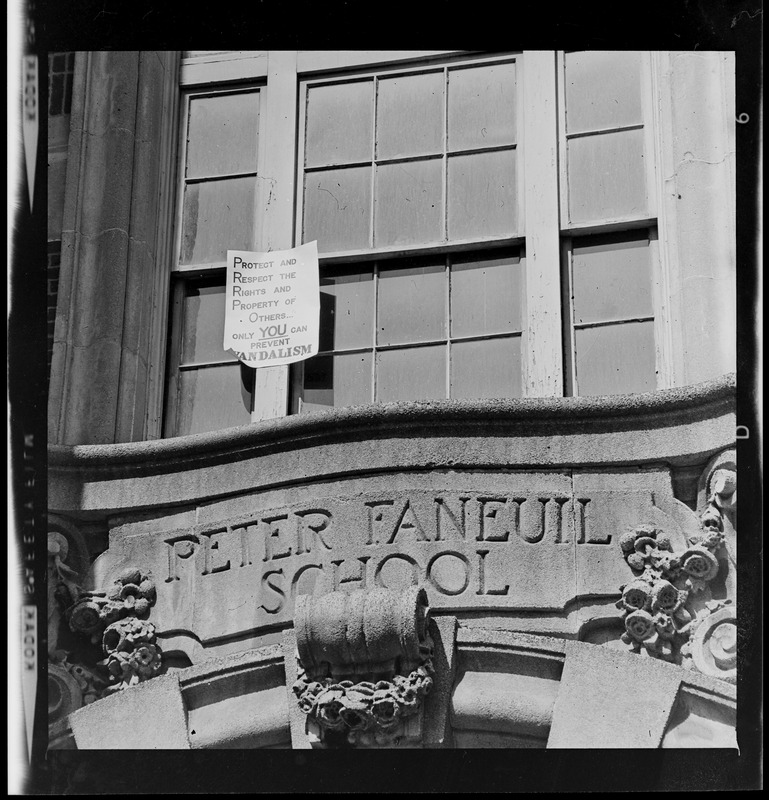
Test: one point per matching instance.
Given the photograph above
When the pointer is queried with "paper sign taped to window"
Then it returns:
(273, 305)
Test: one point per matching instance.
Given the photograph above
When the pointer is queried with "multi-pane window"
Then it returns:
(393, 164)
(427, 327)
(410, 160)
(412, 178)
(604, 137)
(207, 386)
(612, 314)
(607, 172)
(61, 68)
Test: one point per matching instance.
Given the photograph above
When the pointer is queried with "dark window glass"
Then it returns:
(411, 304)
(223, 133)
(603, 90)
(337, 208)
(408, 205)
(340, 380)
(411, 373)
(203, 329)
(219, 192)
(486, 368)
(410, 115)
(486, 294)
(340, 123)
(61, 67)
(412, 356)
(481, 107)
(616, 359)
(209, 388)
(214, 397)
(612, 278)
(612, 314)
(346, 309)
(426, 165)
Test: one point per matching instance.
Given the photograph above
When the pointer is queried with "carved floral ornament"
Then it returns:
(668, 608)
(364, 665)
(116, 619)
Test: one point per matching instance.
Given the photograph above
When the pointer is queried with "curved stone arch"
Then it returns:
(511, 690)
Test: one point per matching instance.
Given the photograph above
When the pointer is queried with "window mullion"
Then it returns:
(543, 358)
(567, 304)
(275, 203)
(374, 332)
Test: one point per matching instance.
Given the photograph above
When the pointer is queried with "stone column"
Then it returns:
(107, 366)
(697, 209)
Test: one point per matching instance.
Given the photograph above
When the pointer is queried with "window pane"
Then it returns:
(415, 373)
(611, 278)
(213, 398)
(337, 208)
(616, 359)
(486, 294)
(218, 216)
(603, 90)
(482, 195)
(410, 115)
(343, 380)
(222, 135)
(481, 107)
(346, 309)
(606, 176)
(203, 327)
(409, 208)
(490, 368)
(340, 121)
(412, 304)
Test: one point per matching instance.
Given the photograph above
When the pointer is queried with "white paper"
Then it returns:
(273, 305)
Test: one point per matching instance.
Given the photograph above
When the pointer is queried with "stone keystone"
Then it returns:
(364, 665)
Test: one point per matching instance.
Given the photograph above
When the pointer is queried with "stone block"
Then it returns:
(609, 699)
(698, 720)
(148, 716)
(519, 705)
(297, 719)
(437, 728)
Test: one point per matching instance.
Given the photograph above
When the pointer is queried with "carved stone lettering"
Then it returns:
(498, 549)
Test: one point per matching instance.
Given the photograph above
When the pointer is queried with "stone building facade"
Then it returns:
(498, 509)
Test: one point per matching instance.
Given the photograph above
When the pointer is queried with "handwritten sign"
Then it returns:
(272, 305)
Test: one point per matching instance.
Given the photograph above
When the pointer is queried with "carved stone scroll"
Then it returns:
(713, 645)
(364, 665)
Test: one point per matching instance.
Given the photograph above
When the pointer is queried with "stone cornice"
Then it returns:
(681, 425)
(565, 414)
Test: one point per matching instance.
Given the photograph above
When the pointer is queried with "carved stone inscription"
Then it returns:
(511, 550)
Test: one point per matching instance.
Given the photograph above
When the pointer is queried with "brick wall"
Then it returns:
(54, 259)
